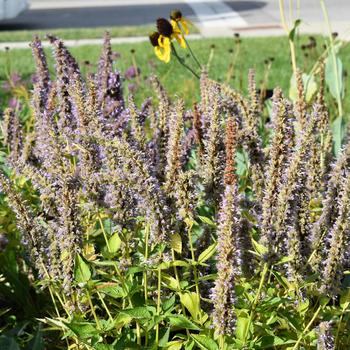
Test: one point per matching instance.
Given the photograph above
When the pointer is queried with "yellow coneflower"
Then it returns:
(176, 18)
(162, 47)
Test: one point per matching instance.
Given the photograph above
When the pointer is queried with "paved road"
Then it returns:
(214, 17)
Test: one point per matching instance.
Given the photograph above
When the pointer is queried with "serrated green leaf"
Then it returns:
(176, 242)
(191, 302)
(82, 271)
(113, 291)
(114, 243)
(174, 345)
(208, 253)
(205, 342)
(168, 304)
(170, 282)
(122, 320)
(181, 321)
(242, 325)
(137, 312)
(83, 330)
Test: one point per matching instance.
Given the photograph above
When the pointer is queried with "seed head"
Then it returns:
(164, 27)
(176, 15)
(153, 38)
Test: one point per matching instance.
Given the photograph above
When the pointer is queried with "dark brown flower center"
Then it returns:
(164, 27)
(175, 15)
(153, 38)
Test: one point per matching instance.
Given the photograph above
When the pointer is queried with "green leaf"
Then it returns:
(242, 325)
(259, 248)
(114, 243)
(338, 129)
(345, 299)
(165, 338)
(181, 321)
(310, 87)
(170, 282)
(269, 341)
(303, 307)
(208, 253)
(168, 304)
(122, 320)
(207, 221)
(176, 243)
(104, 347)
(137, 312)
(37, 343)
(174, 345)
(191, 302)
(292, 32)
(82, 271)
(113, 291)
(334, 76)
(83, 330)
(8, 343)
(205, 342)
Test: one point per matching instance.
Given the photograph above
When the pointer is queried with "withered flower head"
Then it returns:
(176, 15)
(153, 38)
(164, 27)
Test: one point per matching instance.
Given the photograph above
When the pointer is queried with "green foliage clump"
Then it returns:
(225, 226)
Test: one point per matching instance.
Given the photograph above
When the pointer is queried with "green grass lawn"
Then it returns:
(253, 52)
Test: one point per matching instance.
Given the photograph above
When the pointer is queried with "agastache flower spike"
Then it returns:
(229, 254)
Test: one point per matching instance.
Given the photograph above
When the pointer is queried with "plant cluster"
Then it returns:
(218, 227)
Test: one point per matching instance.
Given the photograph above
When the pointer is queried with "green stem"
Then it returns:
(182, 61)
(104, 232)
(158, 302)
(295, 347)
(104, 305)
(145, 279)
(195, 271)
(146, 257)
(178, 283)
(189, 47)
(256, 300)
(93, 309)
(291, 43)
(221, 342)
(339, 324)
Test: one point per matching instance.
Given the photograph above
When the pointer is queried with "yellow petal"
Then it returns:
(174, 24)
(180, 39)
(184, 24)
(163, 50)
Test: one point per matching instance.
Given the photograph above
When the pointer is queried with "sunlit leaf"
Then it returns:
(82, 271)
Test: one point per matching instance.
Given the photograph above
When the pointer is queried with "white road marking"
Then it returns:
(214, 17)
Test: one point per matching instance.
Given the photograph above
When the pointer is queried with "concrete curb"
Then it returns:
(84, 42)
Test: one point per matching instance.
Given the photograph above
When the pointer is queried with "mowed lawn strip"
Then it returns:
(250, 53)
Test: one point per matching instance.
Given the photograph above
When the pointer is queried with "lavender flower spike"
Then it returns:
(229, 255)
